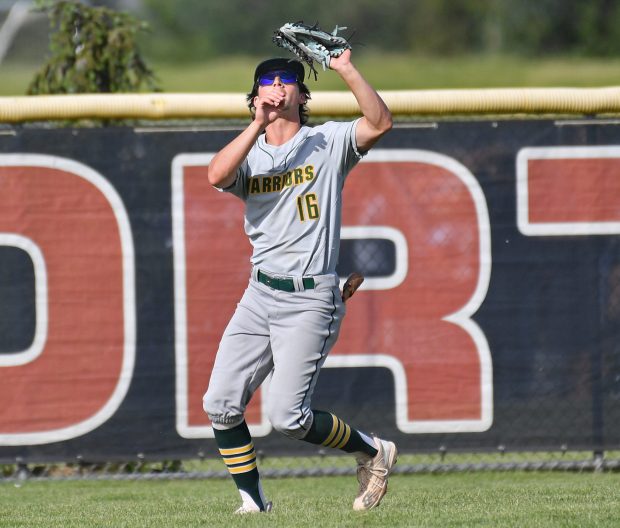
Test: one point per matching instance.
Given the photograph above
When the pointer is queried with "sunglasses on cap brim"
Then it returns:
(286, 77)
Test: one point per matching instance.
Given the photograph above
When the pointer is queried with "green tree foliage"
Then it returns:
(195, 29)
(449, 27)
(199, 29)
(93, 50)
(598, 28)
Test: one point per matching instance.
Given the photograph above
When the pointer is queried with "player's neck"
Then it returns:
(281, 131)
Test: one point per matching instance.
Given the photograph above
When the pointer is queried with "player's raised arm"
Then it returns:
(377, 119)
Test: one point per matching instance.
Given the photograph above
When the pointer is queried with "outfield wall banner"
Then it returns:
(490, 313)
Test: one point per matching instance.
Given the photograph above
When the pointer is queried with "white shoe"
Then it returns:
(252, 508)
(372, 474)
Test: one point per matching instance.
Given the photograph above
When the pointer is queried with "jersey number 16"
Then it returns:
(307, 207)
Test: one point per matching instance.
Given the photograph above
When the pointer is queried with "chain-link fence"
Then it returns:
(318, 465)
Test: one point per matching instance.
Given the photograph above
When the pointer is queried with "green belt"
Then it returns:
(286, 285)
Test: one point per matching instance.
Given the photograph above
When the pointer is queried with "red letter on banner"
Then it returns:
(69, 220)
(566, 191)
(421, 329)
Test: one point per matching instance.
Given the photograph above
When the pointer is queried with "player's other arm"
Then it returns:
(377, 119)
(224, 165)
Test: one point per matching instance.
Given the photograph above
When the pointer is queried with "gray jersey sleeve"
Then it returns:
(239, 186)
(344, 134)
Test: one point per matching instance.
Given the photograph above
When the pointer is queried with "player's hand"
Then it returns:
(268, 106)
(342, 62)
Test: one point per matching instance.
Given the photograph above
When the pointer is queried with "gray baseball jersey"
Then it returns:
(293, 198)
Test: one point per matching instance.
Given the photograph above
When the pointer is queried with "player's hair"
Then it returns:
(303, 109)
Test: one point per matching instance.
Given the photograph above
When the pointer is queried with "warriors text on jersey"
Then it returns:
(293, 197)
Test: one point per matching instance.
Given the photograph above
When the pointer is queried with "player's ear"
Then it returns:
(255, 100)
(302, 98)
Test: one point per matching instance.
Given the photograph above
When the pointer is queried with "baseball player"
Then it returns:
(290, 177)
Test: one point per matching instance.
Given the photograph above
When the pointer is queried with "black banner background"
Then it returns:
(551, 315)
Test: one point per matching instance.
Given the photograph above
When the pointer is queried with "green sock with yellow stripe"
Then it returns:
(237, 450)
(330, 431)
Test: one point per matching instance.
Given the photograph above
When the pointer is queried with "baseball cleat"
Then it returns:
(252, 508)
(372, 474)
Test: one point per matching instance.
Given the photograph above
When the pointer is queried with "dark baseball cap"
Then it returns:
(280, 64)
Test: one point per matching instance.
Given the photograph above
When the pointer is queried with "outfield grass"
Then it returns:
(385, 71)
(479, 499)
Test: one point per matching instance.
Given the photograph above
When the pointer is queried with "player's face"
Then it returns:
(285, 82)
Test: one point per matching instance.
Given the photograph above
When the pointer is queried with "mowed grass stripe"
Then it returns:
(477, 499)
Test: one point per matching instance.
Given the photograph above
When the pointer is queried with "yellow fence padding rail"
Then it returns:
(232, 105)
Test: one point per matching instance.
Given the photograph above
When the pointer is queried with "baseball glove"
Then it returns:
(311, 43)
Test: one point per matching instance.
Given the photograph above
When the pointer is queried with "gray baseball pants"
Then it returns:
(288, 334)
